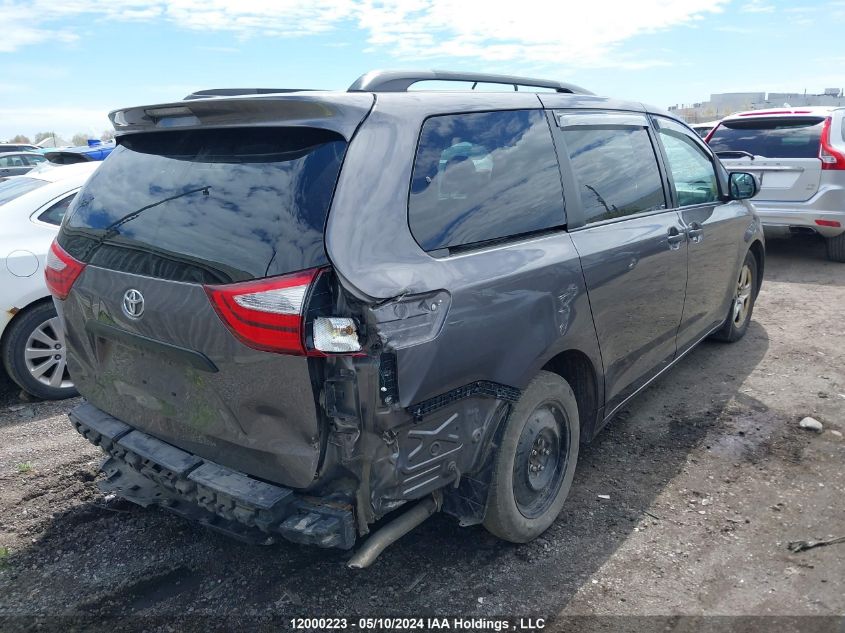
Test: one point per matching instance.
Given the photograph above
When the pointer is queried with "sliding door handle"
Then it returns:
(675, 238)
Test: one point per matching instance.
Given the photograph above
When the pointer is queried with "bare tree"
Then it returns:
(80, 139)
(19, 138)
(40, 136)
(107, 135)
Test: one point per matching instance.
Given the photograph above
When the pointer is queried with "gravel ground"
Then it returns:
(708, 474)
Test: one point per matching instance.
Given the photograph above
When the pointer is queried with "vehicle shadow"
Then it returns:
(8, 390)
(127, 562)
(802, 259)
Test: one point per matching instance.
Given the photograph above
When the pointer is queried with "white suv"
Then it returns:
(798, 154)
(32, 345)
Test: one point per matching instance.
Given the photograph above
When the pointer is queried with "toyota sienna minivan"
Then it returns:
(293, 312)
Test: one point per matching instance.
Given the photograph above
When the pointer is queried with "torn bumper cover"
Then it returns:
(147, 471)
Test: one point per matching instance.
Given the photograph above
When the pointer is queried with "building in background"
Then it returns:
(721, 105)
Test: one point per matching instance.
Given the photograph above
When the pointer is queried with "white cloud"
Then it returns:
(531, 31)
(757, 6)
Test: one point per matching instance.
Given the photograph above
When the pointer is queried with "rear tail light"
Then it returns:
(61, 271)
(711, 132)
(831, 158)
(269, 315)
(835, 224)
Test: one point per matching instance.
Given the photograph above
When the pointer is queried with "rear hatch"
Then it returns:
(180, 322)
(782, 151)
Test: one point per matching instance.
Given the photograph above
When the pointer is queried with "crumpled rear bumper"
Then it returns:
(147, 471)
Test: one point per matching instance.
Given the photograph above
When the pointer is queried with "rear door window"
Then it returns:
(773, 137)
(614, 163)
(209, 206)
(34, 160)
(485, 176)
(56, 211)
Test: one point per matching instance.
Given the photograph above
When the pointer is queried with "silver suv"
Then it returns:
(798, 154)
(292, 313)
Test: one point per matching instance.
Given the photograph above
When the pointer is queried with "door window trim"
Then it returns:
(565, 118)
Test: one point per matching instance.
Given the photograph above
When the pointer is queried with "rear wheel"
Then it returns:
(742, 304)
(836, 248)
(34, 354)
(535, 462)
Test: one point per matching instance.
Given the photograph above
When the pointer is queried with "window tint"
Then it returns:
(691, 168)
(208, 206)
(616, 170)
(56, 211)
(34, 160)
(15, 187)
(484, 176)
(771, 137)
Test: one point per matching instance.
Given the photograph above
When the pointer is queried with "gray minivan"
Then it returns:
(292, 313)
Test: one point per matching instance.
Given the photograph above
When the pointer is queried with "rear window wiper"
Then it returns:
(734, 153)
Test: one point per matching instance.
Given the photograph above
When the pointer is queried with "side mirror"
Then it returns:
(742, 185)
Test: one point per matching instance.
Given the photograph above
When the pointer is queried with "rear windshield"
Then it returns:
(771, 137)
(16, 187)
(208, 206)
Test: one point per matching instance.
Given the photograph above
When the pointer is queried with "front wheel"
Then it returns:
(535, 463)
(34, 353)
(742, 304)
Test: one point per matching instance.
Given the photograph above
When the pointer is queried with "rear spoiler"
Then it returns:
(339, 112)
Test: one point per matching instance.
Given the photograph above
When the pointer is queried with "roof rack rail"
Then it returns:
(233, 92)
(401, 80)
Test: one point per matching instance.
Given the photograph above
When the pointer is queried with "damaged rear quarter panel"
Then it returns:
(508, 309)
(513, 306)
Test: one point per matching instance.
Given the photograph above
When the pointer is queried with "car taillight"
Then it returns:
(710, 133)
(61, 271)
(831, 158)
(269, 315)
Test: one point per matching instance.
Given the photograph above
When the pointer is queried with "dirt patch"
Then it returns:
(708, 475)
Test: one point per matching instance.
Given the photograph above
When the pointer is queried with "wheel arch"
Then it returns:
(18, 314)
(759, 251)
(578, 370)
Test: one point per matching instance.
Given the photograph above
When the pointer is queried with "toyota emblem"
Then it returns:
(133, 303)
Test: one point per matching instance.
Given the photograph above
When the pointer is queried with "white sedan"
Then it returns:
(32, 344)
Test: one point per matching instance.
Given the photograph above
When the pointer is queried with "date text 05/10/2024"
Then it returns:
(419, 624)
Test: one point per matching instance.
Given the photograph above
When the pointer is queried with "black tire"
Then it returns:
(836, 248)
(735, 325)
(13, 353)
(522, 503)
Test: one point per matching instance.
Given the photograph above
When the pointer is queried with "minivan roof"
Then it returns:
(340, 111)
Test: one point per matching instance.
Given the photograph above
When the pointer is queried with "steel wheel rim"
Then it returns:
(742, 297)
(45, 355)
(541, 460)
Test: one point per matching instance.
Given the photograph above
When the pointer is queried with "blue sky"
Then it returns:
(66, 63)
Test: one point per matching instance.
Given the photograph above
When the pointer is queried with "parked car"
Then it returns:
(32, 344)
(292, 314)
(17, 163)
(95, 150)
(703, 129)
(798, 154)
(17, 147)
